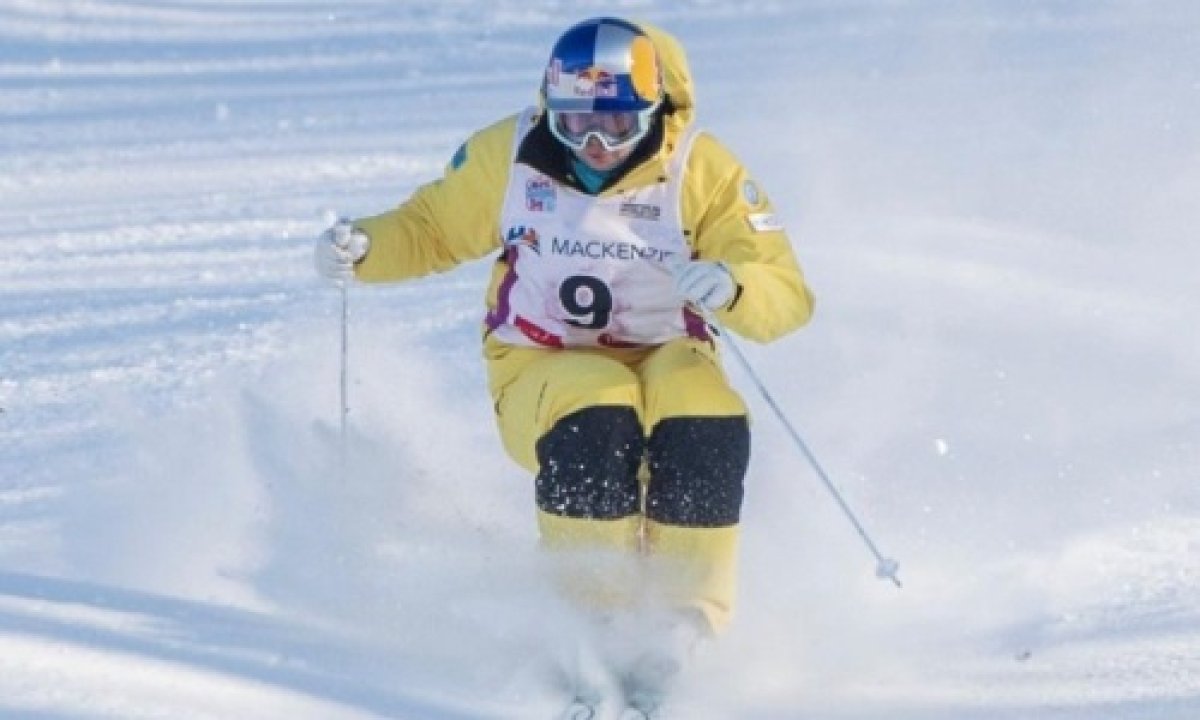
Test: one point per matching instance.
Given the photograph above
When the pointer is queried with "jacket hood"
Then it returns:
(676, 74)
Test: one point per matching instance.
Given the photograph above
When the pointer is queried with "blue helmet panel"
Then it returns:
(603, 65)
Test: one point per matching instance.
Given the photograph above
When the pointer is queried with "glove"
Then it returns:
(338, 249)
(707, 284)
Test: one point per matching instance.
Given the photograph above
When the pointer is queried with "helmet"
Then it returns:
(602, 80)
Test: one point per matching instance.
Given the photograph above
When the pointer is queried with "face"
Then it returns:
(602, 140)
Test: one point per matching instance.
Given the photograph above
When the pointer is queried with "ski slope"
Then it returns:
(995, 203)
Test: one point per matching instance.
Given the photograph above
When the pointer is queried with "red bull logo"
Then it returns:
(595, 82)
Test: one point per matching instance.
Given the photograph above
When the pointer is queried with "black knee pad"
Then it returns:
(589, 462)
(697, 469)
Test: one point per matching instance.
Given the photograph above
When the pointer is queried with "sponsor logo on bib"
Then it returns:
(521, 236)
(540, 195)
(641, 211)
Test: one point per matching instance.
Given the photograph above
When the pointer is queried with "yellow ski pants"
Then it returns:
(534, 389)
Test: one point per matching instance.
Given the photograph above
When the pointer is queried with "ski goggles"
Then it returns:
(615, 130)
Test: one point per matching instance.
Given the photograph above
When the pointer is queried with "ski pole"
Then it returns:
(343, 389)
(331, 217)
(885, 568)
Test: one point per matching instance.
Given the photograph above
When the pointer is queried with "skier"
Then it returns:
(620, 227)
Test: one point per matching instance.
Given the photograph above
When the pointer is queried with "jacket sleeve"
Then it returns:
(448, 221)
(731, 220)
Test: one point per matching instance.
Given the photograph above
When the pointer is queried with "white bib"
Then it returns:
(586, 270)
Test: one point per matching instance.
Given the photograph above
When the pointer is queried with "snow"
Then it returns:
(994, 201)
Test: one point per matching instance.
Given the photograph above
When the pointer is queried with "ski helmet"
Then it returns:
(603, 80)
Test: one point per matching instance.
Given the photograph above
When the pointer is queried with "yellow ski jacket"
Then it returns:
(726, 216)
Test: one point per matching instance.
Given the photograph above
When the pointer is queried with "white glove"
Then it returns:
(338, 249)
(707, 284)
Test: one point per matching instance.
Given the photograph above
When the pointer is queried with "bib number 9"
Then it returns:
(588, 300)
